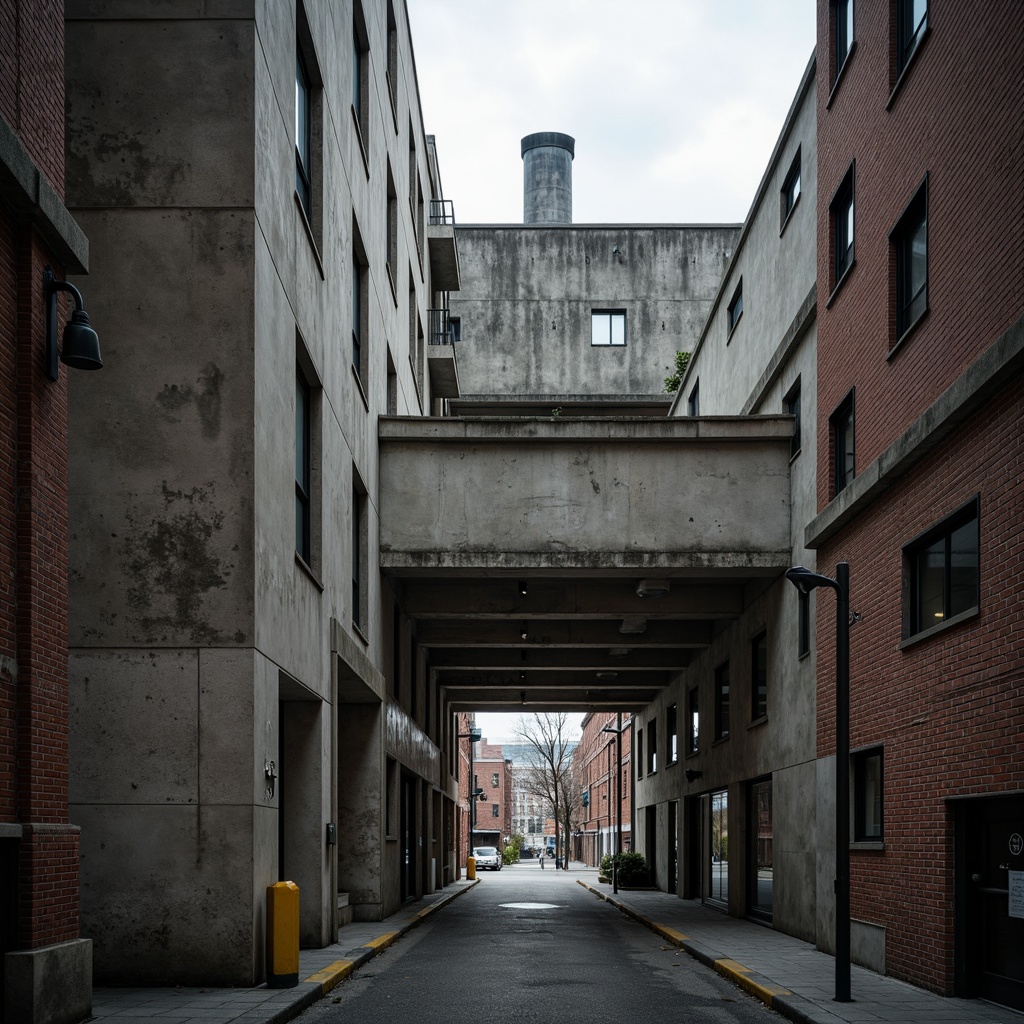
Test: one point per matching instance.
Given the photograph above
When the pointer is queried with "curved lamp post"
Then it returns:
(805, 581)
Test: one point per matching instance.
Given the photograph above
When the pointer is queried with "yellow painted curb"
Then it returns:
(741, 975)
(332, 975)
(382, 941)
(676, 938)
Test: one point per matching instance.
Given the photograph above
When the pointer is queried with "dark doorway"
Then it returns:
(408, 838)
(8, 903)
(651, 841)
(673, 846)
(990, 900)
(759, 854)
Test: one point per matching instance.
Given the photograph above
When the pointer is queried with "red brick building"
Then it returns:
(920, 467)
(38, 846)
(607, 799)
(494, 807)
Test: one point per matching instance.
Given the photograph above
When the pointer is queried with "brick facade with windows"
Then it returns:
(939, 421)
(39, 891)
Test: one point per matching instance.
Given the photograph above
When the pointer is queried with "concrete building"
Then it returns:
(45, 966)
(724, 757)
(248, 701)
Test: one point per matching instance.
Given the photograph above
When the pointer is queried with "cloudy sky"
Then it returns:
(675, 105)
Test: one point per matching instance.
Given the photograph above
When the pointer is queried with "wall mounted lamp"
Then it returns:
(81, 346)
(522, 587)
(692, 775)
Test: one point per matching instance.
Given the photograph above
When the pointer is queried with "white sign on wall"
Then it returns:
(1016, 894)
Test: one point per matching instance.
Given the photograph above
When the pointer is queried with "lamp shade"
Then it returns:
(81, 347)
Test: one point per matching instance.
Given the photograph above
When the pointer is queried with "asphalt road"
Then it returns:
(561, 955)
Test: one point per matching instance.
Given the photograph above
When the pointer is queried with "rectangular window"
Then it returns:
(722, 702)
(791, 405)
(608, 327)
(652, 746)
(359, 560)
(359, 307)
(693, 721)
(671, 734)
(909, 241)
(760, 852)
(759, 677)
(718, 870)
(842, 34)
(941, 576)
(911, 25)
(303, 476)
(693, 402)
(391, 228)
(639, 753)
(360, 77)
(735, 310)
(790, 190)
(841, 223)
(494, 780)
(843, 461)
(803, 629)
(303, 136)
(494, 810)
(392, 72)
(867, 796)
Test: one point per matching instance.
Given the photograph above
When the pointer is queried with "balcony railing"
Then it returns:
(444, 328)
(442, 212)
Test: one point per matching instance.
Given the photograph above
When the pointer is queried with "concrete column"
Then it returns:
(547, 178)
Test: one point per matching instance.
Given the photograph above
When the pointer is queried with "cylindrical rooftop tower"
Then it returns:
(547, 178)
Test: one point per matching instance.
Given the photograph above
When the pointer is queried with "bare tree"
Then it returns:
(550, 775)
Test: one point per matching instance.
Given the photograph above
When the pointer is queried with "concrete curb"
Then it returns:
(775, 997)
(328, 977)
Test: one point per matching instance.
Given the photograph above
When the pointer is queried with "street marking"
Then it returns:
(530, 906)
(332, 975)
(382, 941)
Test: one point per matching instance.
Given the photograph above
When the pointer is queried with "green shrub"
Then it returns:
(632, 868)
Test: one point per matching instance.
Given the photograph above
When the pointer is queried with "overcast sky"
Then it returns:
(675, 105)
(500, 727)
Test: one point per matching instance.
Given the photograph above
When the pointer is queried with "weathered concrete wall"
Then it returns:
(584, 493)
(528, 293)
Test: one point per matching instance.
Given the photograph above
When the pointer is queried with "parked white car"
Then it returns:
(487, 857)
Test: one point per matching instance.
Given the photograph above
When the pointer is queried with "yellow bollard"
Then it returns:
(282, 935)
(471, 868)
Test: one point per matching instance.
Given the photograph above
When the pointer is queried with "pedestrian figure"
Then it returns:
(542, 862)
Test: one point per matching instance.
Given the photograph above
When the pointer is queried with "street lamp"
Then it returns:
(474, 735)
(618, 790)
(805, 581)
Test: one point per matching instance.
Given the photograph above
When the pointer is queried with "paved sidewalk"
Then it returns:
(787, 974)
(320, 969)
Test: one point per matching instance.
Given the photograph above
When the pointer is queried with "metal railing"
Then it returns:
(444, 328)
(442, 212)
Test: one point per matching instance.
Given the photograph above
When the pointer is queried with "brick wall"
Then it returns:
(956, 117)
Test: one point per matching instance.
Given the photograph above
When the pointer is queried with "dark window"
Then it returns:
(494, 810)
(867, 796)
(392, 235)
(303, 469)
(693, 402)
(454, 330)
(910, 251)
(790, 189)
(841, 222)
(941, 571)
(359, 310)
(759, 677)
(722, 702)
(359, 560)
(843, 463)
(494, 780)
(639, 753)
(652, 746)
(791, 405)
(842, 33)
(392, 72)
(608, 327)
(672, 734)
(360, 73)
(303, 136)
(736, 307)
(693, 717)
(911, 25)
(803, 641)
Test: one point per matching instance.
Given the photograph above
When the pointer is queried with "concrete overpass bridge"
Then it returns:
(560, 563)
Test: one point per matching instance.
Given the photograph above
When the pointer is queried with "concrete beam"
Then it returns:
(566, 599)
(659, 659)
(540, 635)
